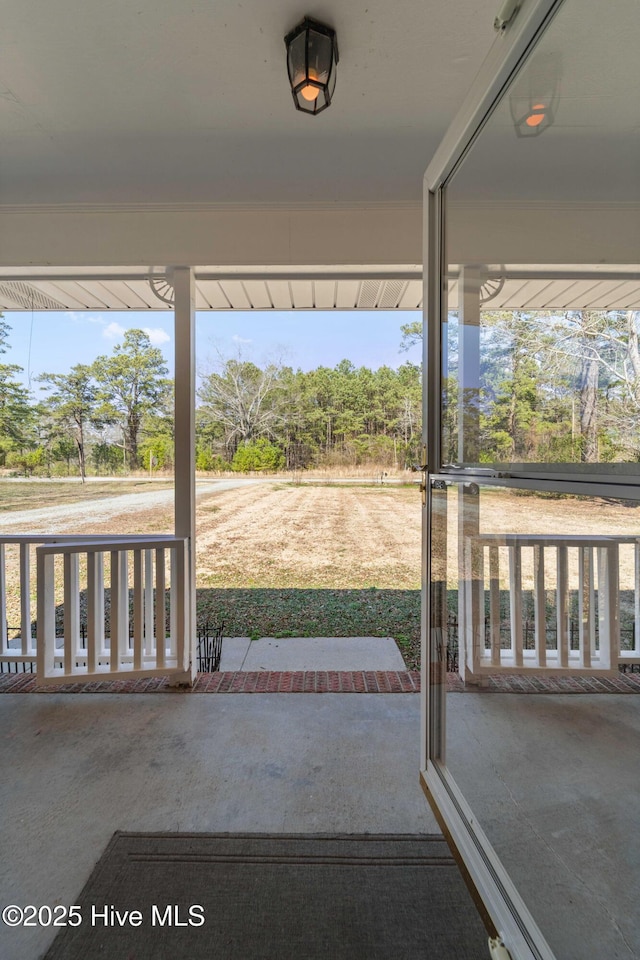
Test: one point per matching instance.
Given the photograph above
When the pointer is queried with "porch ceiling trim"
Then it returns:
(257, 290)
(354, 287)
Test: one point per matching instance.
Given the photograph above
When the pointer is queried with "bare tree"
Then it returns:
(243, 400)
(589, 378)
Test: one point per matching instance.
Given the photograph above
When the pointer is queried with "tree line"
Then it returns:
(116, 415)
(554, 387)
(102, 416)
(274, 417)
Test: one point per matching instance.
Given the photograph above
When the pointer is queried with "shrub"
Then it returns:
(29, 460)
(258, 455)
(106, 458)
(207, 460)
(160, 448)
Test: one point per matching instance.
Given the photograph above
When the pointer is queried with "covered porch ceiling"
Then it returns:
(162, 102)
(156, 133)
(357, 287)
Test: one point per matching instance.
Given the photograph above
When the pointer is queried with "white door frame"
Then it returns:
(502, 908)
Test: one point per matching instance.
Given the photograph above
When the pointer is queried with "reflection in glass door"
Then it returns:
(532, 522)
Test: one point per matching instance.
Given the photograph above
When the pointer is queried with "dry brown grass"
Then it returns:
(283, 536)
(279, 535)
(343, 537)
(367, 473)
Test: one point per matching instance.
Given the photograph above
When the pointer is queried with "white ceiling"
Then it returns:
(183, 111)
(135, 101)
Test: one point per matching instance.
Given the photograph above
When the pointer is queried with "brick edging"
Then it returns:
(264, 681)
(328, 681)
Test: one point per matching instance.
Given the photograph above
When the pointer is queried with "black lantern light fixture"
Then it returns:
(312, 55)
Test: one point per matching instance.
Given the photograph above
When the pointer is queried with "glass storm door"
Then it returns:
(531, 545)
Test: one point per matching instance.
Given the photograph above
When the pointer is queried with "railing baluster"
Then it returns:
(470, 627)
(149, 637)
(25, 599)
(138, 610)
(160, 608)
(585, 612)
(95, 609)
(562, 606)
(71, 637)
(636, 585)
(173, 610)
(119, 608)
(515, 601)
(608, 604)
(4, 639)
(46, 608)
(539, 606)
(494, 604)
(182, 657)
(476, 597)
(592, 608)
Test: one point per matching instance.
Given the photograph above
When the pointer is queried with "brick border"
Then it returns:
(267, 681)
(328, 681)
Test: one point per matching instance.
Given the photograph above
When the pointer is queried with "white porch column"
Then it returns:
(185, 442)
(469, 365)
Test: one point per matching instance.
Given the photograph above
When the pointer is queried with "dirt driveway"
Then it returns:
(71, 517)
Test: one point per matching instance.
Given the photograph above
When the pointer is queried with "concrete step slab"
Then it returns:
(322, 653)
(234, 652)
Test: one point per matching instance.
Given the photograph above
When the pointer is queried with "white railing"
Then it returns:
(570, 587)
(21, 648)
(105, 606)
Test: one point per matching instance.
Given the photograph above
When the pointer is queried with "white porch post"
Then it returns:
(185, 467)
(469, 365)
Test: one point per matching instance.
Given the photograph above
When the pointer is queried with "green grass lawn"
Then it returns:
(316, 613)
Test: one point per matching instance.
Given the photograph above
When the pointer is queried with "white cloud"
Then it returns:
(237, 339)
(157, 335)
(83, 318)
(113, 331)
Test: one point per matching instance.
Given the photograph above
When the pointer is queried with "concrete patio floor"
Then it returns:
(554, 781)
(552, 778)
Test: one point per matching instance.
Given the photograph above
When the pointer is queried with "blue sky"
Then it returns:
(306, 340)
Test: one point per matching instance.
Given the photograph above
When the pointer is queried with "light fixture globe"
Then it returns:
(532, 117)
(533, 101)
(312, 55)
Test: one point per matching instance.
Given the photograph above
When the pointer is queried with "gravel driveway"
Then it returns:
(57, 518)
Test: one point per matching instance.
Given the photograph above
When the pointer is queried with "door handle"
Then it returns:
(418, 467)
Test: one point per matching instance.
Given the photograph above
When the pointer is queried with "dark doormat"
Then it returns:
(274, 897)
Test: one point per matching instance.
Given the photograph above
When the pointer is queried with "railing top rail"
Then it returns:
(545, 540)
(46, 538)
(104, 545)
